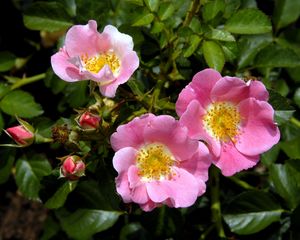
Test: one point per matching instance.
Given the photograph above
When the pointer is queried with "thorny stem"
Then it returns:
(215, 202)
(28, 80)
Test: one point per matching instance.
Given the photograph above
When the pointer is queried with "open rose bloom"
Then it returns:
(106, 58)
(157, 163)
(231, 116)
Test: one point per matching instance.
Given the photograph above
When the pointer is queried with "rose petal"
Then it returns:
(122, 186)
(259, 132)
(124, 158)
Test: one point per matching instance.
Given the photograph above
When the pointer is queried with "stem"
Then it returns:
(194, 8)
(28, 80)
(242, 183)
(215, 202)
(295, 121)
(161, 219)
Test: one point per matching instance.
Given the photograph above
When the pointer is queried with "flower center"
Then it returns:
(222, 121)
(96, 63)
(154, 162)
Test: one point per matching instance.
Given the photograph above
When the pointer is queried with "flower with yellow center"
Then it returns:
(96, 63)
(222, 121)
(154, 162)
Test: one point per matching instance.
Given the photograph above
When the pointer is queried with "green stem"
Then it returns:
(28, 80)
(295, 121)
(194, 8)
(242, 183)
(160, 222)
(215, 202)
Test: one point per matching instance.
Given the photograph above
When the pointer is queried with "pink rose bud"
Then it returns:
(72, 168)
(21, 135)
(89, 121)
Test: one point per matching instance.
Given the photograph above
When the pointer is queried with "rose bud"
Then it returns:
(21, 135)
(89, 121)
(72, 168)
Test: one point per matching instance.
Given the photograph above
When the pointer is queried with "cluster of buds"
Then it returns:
(72, 167)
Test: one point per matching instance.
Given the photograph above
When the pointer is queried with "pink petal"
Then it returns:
(129, 63)
(149, 206)
(83, 39)
(200, 88)
(63, 68)
(131, 134)
(120, 42)
(166, 130)
(176, 189)
(259, 132)
(192, 119)
(122, 186)
(124, 158)
(230, 89)
(199, 164)
(232, 161)
(258, 90)
(109, 90)
(138, 192)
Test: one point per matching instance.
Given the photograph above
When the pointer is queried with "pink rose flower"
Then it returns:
(21, 135)
(157, 163)
(232, 116)
(106, 58)
(72, 168)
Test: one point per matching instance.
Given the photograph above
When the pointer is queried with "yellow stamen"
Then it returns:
(154, 162)
(222, 121)
(96, 63)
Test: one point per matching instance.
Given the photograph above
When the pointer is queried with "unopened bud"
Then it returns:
(72, 168)
(21, 135)
(89, 121)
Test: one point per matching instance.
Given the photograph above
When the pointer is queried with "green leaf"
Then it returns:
(7, 158)
(249, 47)
(248, 21)
(77, 93)
(297, 97)
(213, 55)
(212, 8)
(20, 103)
(282, 117)
(83, 223)
(276, 56)
(285, 12)
(291, 148)
(60, 196)
(1, 123)
(165, 11)
(231, 6)
(221, 35)
(7, 61)
(47, 16)
(157, 27)
(230, 50)
(143, 20)
(4, 89)
(251, 212)
(152, 4)
(193, 44)
(270, 157)
(286, 179)
(136, 2)
(54, 82)
(51, 228)
(29, 172)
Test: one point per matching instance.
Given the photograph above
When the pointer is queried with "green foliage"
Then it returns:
(174, 40)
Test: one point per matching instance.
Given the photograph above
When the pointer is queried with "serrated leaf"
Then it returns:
(47, 16)
(230, 50)
(77, 94)
(213, 55)
(166, 10)
(285, 12)
(286, 179)
(29, 172)
(276, 56)
(221, 35)
(143, 20)
(250, 46)
(60, 196)
(21, 104)
(248, 21)
(7, 61)
(193, 44)
(251, 212)
(83, 223)
(212, 8)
